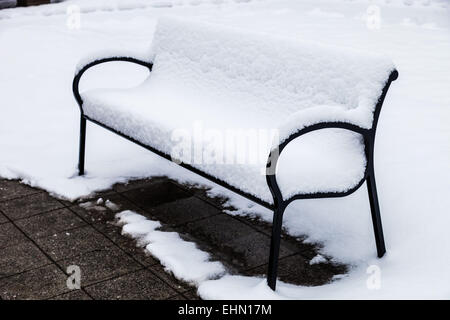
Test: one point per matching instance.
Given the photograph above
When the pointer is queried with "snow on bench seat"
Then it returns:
(221, 79)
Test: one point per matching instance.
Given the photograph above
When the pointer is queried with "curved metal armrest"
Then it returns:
(322, 125)
(82, 70)
(276, 152)
(342, 123)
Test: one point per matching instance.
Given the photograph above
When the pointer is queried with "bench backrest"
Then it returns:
(274, 76)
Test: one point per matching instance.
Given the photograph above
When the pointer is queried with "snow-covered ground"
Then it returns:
(40, 47)
(168, 247)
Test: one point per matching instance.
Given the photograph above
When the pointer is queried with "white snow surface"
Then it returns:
(39, 127)
(269, 76)
(182, 258)
(317, 259)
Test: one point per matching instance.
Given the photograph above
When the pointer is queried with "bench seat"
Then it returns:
(327, 161)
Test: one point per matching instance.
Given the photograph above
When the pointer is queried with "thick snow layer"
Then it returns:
(269, 76)
(39, 123)
(92, 57)
(182, 258)
(331, 160)
(235, 80)
(317, 259)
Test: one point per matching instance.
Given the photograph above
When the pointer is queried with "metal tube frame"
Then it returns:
(279, 203)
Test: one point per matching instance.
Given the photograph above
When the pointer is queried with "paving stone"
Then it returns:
(102, 194)
(91, 198)
(101, 264)
(29, 205)
(144, 258)
(10, 189)
(257, 224)
(177, 297)
(233, 241)
(213, 229)
(40, 283)
(202, 193)
(92, 215)
(192, 295)
(3, 218)
(182, 211)
(66, 203)
(10, 235)
(49, 223)
(293, 271)
(292, 243)
(297, 270)
(66, 244)
(127, 244)
(156, 194)
(139, 183)
(21, 257)
(73, 295)
(101, 213)
(168, 278)
(138, 285)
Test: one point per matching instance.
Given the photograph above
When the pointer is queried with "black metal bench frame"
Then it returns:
(279, 204)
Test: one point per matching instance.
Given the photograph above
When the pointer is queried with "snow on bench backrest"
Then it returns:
(274, 76)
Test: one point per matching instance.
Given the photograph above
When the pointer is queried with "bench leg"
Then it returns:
(376, 218)
(275, 248)
(82, 146)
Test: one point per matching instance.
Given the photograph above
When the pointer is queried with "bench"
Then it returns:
(229, 78)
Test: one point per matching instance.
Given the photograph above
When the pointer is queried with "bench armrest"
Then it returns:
(102, 57)
(321, 117)
(93, 58)
(303, 122)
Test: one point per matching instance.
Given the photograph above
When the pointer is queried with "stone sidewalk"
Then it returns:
(40, 236)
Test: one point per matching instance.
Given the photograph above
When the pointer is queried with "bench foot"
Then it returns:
(82, 146)
(376, 217)
(275, 248)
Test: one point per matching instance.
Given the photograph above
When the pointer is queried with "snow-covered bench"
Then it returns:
(227, 78)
